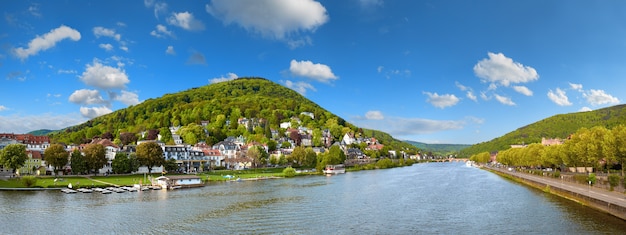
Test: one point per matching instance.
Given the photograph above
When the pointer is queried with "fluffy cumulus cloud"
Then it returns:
(523, 90)
(170, 50)
(599, 97)
(275, 19)
(374, 115)
(105, 32)
(24, 124)
(126, 97)
(578, 87)
(504, 100)
(106, 46)
(94, 111)
(228, 77)
(559, 97)
(104, 76)
(308, 69)
(47, 41)
(300, 87)
(161, 31)
(585, 109)
(441, 101)
(87, 97)
(499, 69)
(186, 21)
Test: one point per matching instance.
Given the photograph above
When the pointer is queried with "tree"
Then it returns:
(13, 156)
(298, 155)
(95, 157)
(619, 135)
(310, 158)
(170, 165)
(57, 156)
(150, 154)
(122, 164)
(128, 138)
(78, 162)
(153, 134)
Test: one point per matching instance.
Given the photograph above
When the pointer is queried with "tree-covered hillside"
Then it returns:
(558, 126)
(439, 149)
(263, 103)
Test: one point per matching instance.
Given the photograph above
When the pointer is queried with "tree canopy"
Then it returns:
(56, 156)
(13, 156)
(150, 154)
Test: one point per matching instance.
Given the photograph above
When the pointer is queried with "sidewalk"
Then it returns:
(610, 201)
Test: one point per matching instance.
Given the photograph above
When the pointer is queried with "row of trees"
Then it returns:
(597, 147)
(91, 159)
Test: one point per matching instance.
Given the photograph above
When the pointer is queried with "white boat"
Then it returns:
(84, 190)
(68, 190)
(468, 163)
(334, 169)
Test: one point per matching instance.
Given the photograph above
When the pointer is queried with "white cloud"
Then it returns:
(2, 108)
(67, 71)
(127, 98)
(47, 41)
(25, 124)
(94, 111)
(523, 90)
(500, 69)
(87, 97)
(599, 97)
(585, 109)
(578, 87)
(159, 7)
(186, 21)
(104, 32)
(170, 50)
(275, 19)
(300, 87)
(103, 76)
(559, 97)
(308, 69)
(504, 100)
(196, 58)
(162, 32)
(374, 115)
(441, 101)
(470, 95)
(229, 77)
(380, 69)
(106, 46)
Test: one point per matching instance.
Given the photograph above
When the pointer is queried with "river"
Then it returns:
(432, 198)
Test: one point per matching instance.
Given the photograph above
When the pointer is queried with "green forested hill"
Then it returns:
(222, 104)
(439, 149)
(558, 126)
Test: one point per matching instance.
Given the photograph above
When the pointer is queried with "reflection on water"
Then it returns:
(425, 198)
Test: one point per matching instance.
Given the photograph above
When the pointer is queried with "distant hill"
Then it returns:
(41, 132)
(263, 103)
(558, 126)
(439, 149)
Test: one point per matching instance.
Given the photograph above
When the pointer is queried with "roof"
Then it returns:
(178, 177)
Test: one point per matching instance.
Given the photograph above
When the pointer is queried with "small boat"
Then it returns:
(68, 190)
(106, 191)
(334, 169)
(84, 190)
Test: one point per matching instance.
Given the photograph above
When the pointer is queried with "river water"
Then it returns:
(432, 198)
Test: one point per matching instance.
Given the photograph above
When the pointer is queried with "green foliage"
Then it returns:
(78, 162)
(170, 165)
(150, 154)
(28, 181)
(123, 164)
(613, 181)
(289, 172)
(558, 126)
(252, 98)
(385, 163)
(591, 178)
(439, 149)
(95, 157)
(13, 156)
(56, 156)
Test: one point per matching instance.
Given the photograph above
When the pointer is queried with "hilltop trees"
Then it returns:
(150, 154)
(57, 156)
(13, 156)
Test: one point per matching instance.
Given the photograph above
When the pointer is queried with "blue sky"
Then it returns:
(431, 71)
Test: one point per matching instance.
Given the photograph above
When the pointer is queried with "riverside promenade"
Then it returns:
(611, 202)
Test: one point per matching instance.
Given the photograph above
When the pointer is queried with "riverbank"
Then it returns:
(611, 202)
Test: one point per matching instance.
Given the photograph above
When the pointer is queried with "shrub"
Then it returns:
(29, 181)
(591, 178)
(289, 172)
(613, 181)
(557, 174)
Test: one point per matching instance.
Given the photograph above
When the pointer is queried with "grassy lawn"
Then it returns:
(221, 175)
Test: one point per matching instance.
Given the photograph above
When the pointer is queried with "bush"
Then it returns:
(289, 172)
(557, 174)
(28, 181)
(613, 181)
(591, 178)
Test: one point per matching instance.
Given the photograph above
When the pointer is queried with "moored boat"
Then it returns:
(334, 169)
